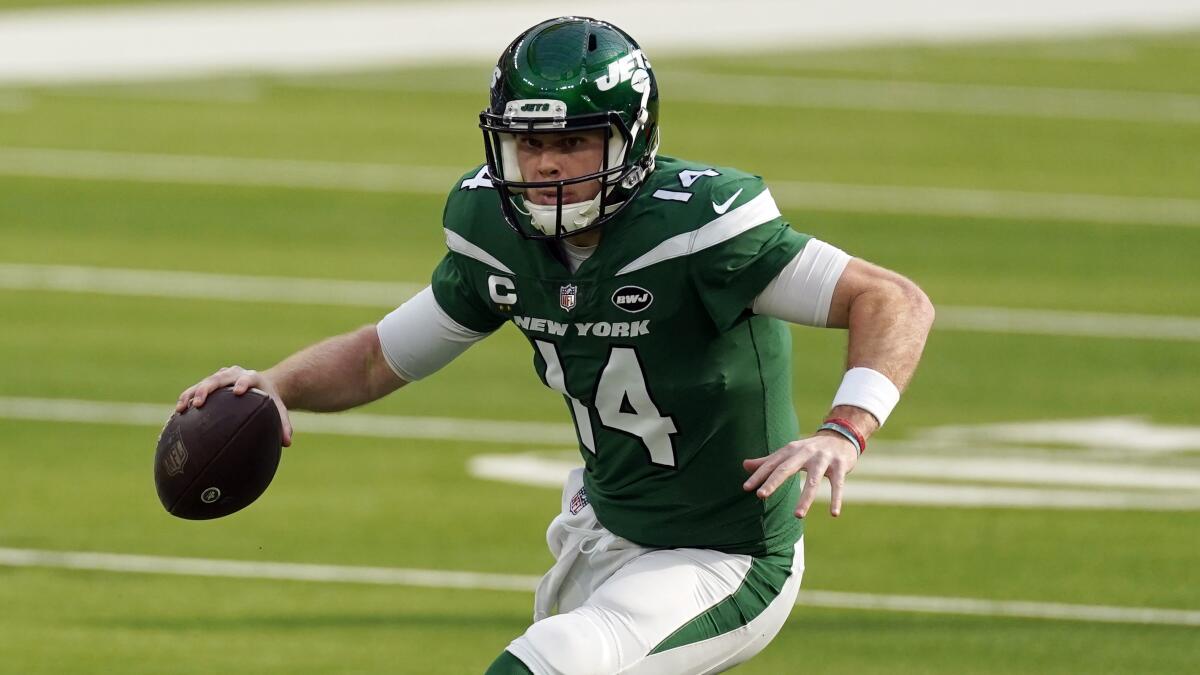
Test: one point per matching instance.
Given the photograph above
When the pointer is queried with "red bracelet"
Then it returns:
(845, 423)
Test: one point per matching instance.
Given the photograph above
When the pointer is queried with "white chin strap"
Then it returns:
(574, 216)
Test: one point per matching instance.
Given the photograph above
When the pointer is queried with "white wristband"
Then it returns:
(870, 390)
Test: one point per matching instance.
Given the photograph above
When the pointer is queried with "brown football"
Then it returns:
(215, 460)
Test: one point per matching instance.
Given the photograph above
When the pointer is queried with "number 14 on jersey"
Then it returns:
(623, 403)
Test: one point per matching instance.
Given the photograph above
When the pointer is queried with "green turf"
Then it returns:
(134, 624)
(179, 341)
(825, 641)
(343, 491)
(1145, 62)
(389, 117)
(409, 503)
(142, 624)
(399, 238)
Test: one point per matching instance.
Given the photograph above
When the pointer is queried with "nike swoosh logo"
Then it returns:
(722, 208)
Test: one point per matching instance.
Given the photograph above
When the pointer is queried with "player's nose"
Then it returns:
(549, 164)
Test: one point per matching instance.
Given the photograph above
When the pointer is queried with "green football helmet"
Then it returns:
(571, 73)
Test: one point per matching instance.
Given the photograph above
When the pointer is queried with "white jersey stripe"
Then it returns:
(455, 242)
(745, 217)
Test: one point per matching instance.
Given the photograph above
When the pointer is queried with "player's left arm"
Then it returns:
(889, 318)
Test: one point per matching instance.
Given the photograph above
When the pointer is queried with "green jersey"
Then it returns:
(669, 377)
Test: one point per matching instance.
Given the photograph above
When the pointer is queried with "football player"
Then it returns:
(654, 293)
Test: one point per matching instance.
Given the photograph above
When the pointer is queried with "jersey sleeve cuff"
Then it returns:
(803, 291)
(418, 338)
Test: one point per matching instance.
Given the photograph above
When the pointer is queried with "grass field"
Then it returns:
(412, 503)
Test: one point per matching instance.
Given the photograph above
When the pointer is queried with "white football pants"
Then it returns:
(626, 609)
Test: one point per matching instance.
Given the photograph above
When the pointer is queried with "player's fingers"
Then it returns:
(247, 379)
(812, 485)
(185, 399)
(222, 378)
(764, 469)
(206, 387)
(837, 480)
(286, 421)
(759, 468)
(754, 463)
(783, 471)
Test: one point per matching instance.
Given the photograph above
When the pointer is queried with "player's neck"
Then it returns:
(584, 239)
(579, 248)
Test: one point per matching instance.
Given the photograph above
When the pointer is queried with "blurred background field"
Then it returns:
(1066, 175)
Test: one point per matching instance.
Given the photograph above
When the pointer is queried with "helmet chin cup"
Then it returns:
(574, 216)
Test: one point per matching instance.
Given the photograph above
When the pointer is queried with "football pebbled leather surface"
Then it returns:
(216, 460)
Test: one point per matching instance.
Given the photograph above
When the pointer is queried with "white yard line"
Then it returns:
(207, 286)
(233, 171)
(972, 99)
(394, 178)
(1032, 482)
(904, 491)
(422, 578)
(790, 91)
(1024, 610)
(187, 91)
(1078, 324)
(384, 295)
(107, 43)
(972, 203)
(1115, 435)
(343, 424)
(145, 564)
(890, 480)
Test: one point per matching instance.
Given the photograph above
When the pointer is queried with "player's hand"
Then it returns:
(822, 455)
(242, 380)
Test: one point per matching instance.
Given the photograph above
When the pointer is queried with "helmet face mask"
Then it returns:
(571, 75)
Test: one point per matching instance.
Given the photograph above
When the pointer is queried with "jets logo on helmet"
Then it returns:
(563, 75)
(629, 68)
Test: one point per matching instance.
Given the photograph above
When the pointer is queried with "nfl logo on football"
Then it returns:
(566, 297)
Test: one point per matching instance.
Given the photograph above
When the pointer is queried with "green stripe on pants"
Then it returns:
(763, 583)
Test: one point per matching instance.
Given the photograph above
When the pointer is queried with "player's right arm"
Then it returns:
(889, 318)
(413, 341)
(342, 372)
(335, 374)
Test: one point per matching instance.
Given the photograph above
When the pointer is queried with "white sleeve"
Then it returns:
(418, 337)
(804, 288)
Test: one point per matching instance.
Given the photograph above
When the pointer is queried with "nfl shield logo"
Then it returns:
(579, 501)
(176, 457)
(566, 297)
